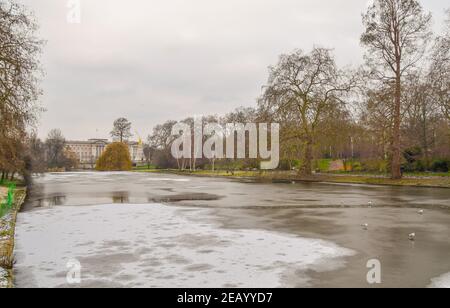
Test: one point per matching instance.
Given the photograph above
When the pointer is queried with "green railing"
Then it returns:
(6, 205)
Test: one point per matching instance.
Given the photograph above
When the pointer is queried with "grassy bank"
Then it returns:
(7, 232)
(416, 180)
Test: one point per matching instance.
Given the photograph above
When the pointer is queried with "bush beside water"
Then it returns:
(116, 157)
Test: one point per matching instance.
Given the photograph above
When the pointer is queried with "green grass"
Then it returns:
(6, 205)
(7, 183)
(406, 174)
(146, 167)
(356, 173)
(147, 170)
(428, 174)
(3, 211)
(323, 164)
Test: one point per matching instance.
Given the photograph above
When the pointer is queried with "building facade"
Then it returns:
(89, 151)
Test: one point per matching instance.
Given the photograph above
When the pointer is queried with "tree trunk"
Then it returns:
(306, 169)
(396, 148)
(425, 136)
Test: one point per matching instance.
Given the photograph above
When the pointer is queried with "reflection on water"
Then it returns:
(49, 202)
(121, 198)
(92, 188)
(116, 198)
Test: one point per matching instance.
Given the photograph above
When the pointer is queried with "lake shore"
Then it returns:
(7, 240)
(431, 181)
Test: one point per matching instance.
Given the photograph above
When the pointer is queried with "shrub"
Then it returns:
(284, 164)
(440, 165)
(374, 166)
(411, 155)
(116, 157)
(356, 166)
(420, 166)
(322, 165)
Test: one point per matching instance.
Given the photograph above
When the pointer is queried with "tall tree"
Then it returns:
(440, 69)
(19, 72)
(121, 130)
(161, 140)
(305, 85)
(36, 153)
(396, 33)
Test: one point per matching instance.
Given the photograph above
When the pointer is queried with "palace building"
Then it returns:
(89, 151)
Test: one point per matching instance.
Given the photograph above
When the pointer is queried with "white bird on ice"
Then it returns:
(365, 226)
(421, 212)
(412, 236)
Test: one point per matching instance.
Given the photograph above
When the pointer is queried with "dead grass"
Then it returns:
(3, 193)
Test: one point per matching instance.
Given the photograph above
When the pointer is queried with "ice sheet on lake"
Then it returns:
(106, 175)
(441, 282)
(154, 245)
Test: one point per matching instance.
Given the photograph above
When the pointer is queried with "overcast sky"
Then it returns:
(155, 60)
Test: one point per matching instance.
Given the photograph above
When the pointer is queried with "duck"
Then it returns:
(412, 237)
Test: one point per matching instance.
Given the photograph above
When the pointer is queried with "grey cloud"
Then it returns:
(153, 60)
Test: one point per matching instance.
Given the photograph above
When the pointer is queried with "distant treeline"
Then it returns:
(390, 115)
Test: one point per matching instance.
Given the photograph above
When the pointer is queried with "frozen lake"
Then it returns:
(154, 230)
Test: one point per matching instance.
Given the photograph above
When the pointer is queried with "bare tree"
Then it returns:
(19, 90)
(440, 69)
(421, 114)
(121, 130)
(161, 137)
(36, 152)
(161, 141)
(19, 64)
(396, 33)
(55, 144)
(377, 117)
(149, 152)
(305, 85)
